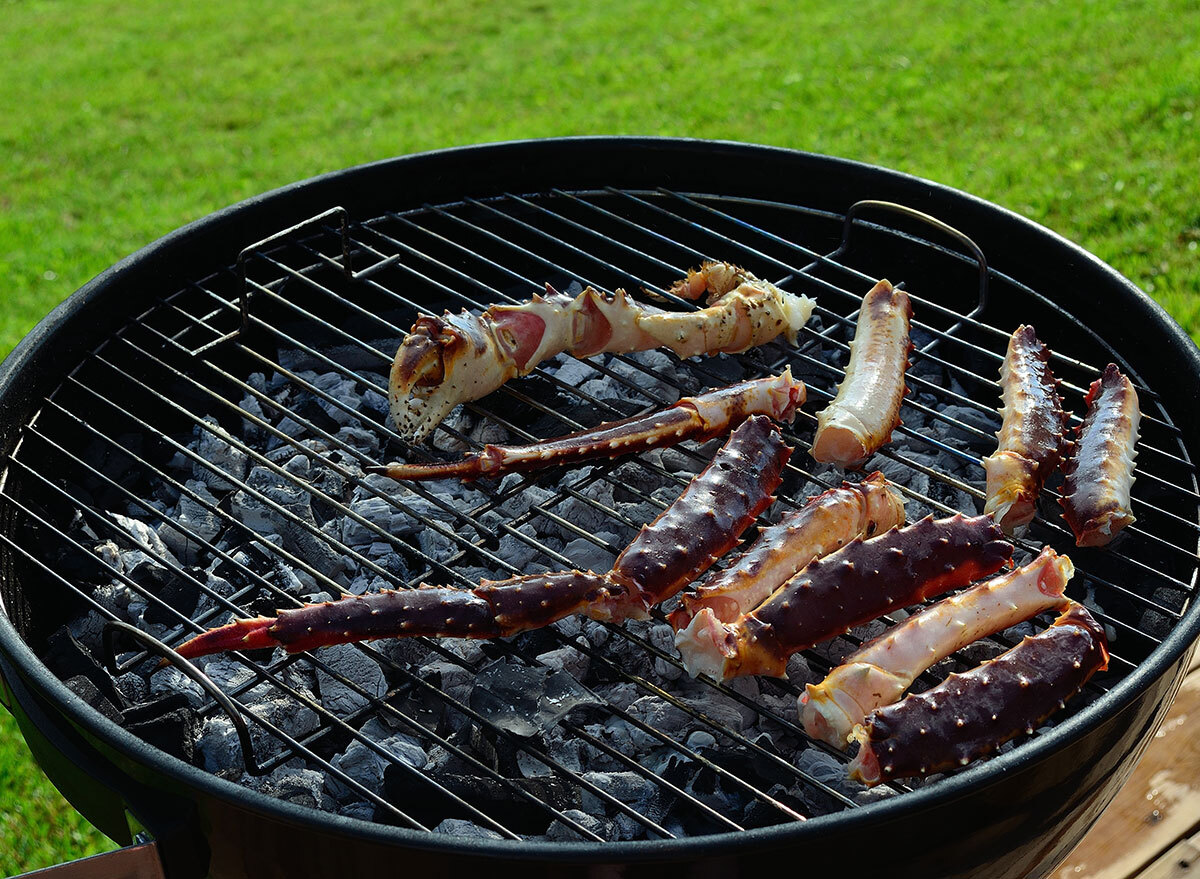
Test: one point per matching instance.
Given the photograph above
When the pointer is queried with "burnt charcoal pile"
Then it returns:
(582, 730)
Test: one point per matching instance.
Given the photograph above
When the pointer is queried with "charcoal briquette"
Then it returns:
(83, 687)
(168, 723)
(414, 795)
(68, 658)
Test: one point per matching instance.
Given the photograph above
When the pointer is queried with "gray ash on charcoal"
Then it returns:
(559, 716)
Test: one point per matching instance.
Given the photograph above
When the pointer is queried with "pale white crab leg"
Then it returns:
(444, 361)
(866, 410)
(825, 523)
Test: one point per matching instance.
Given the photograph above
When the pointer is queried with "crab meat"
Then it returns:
(827, 522)
(879, 672)
(700, 526)
(1095, 498)
(698, 418)
(866, 410)
(444, 361)
(970, 715)
(1031, 442)
(854, 585)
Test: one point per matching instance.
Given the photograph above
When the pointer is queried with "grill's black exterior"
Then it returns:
(1014, 816)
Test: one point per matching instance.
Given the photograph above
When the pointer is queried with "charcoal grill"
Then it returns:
(335, 269)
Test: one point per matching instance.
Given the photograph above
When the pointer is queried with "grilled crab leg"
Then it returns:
(455, 358)
(686, 538)
(846, 588)
(866, 410)
(700, 418)
(1031, 442)
(970, 715)
(708, 518)
(1095, 498)
(827, 522)
(879, 672)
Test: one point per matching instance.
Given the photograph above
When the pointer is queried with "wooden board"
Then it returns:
(1158, 807)
(1182, 861)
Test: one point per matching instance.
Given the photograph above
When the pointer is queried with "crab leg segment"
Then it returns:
(1095, 496)
(706, 520)
(866, 410)
(1031, 440)
(970, 715)
(444, 361)
(700, 418)
(827, 522)
(492, 609)
(880, 671)
(846, 588)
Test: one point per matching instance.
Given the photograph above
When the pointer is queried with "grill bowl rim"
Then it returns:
(163, 252)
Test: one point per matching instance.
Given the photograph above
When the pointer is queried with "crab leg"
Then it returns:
(708, 518)
(1031, 436)
(1095, 496)
(493, 609)
(846, 588)
(700, 418)
(827, 522)
(444, 361)
(880, 671)
(866, 410)
(703, 523)
(970, 715)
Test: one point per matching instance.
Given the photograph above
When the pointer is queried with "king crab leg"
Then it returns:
(444, 361)
(879, 672)
(699, 418)
(866, 410)
(708, 518)
(970, 715)
(826, 523)
(1031, 443)
(858, 583)
(686, 538)
(1095, 498)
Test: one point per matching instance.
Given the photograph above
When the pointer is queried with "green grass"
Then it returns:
(37, 827)
(120, 121)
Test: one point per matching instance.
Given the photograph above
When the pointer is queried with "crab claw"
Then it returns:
(436, 364)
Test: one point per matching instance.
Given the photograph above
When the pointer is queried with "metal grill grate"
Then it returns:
(339, 296)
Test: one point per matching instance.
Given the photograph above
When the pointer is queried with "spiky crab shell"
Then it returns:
(1031, 439)
(969, 715)
(879, 672)
(1096, 492)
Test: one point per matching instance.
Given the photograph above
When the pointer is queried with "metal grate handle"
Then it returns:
(169, 657)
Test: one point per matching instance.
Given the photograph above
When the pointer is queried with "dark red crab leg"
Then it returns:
(700, 418)
(970, 715)
(709, 517)
(856, 584)
(1031, 442)
(702, 524)
(495, 608)
(1095, 498)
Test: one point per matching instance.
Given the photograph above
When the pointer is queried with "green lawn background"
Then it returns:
(120, 121)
